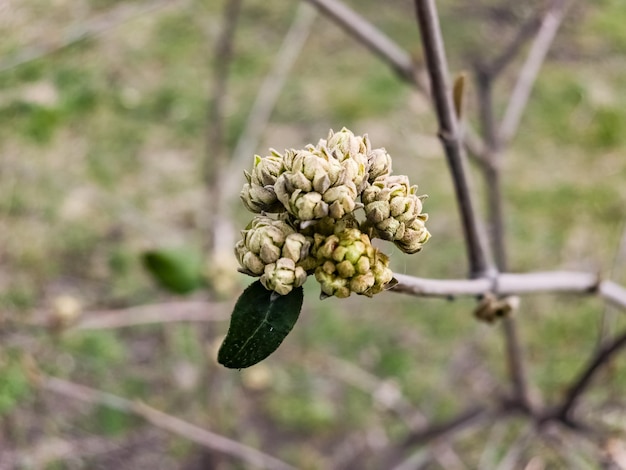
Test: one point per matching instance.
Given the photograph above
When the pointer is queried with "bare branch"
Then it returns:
(157, 313)
(525, 32)
(391, 53)
(519, 98)
(581, 384)
(167, 422)
(434, 52)
(373, 38)
(268, 94)
(91, 29)
(511, 459)
(502, 284)
(463, 420)
(215, 161)
(396, 457)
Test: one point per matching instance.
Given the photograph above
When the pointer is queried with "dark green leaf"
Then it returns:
(177, 270)
(258, 325)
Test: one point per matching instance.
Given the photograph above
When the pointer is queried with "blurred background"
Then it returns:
(110, 147)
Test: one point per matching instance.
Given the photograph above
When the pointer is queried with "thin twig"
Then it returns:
(609, 317)
(396, 457)
(391, 53)
(215, 164)
(438, 430)
(539, 49)
(510, 52)
(191, 311)
(373, 38)
(601, 358)
(268, 94)
(516, 364)
(181, 428)
(511, 459)
(613, 293)
(90, 29)
(434, 52)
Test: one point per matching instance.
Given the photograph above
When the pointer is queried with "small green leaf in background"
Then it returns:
(258, 325)
(178, 270)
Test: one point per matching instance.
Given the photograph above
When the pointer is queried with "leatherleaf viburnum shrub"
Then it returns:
(317, 210)
(308, 203)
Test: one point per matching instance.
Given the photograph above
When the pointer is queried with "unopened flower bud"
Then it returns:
(391, 204)
(283, 276)
(347, 261)
(296, 247)
(414, 236)
(262, 243)
(258, 193)
(379, 164)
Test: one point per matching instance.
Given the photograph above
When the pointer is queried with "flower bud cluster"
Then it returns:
(306, 200)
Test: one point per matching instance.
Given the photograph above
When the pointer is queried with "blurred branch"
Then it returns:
(511, 460)
(395, 457)
(385, 393)
(215, 163)
(495, 139)
(510, 52)
(539, 49)
(88, 29)
(449, 134)
(438, 430)
(609, 317)
(581, 384)
(391, 53)
(156, 313)
(268, 95)
(613, 292)
(372, 38)
(169, 423)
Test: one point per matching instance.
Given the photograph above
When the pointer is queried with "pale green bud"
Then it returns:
(262, 243)
(307, 206)
(249, 262)
(260, 199)
(391, 204)
(341, 200)
(414, 236)
(267, 170)
(349, 263)
(283, 276)
(258, 193)
(332, 284)
(363, 283)
(344, 144)
(296, 247)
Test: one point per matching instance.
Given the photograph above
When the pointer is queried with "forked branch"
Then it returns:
(564, 411)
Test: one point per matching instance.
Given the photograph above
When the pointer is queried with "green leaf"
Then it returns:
(178, 270)
(260, 322)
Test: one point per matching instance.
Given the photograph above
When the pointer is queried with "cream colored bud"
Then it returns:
(283, 276)
(296, 247)
(415, 236)
(345, 144)
(379, 164)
